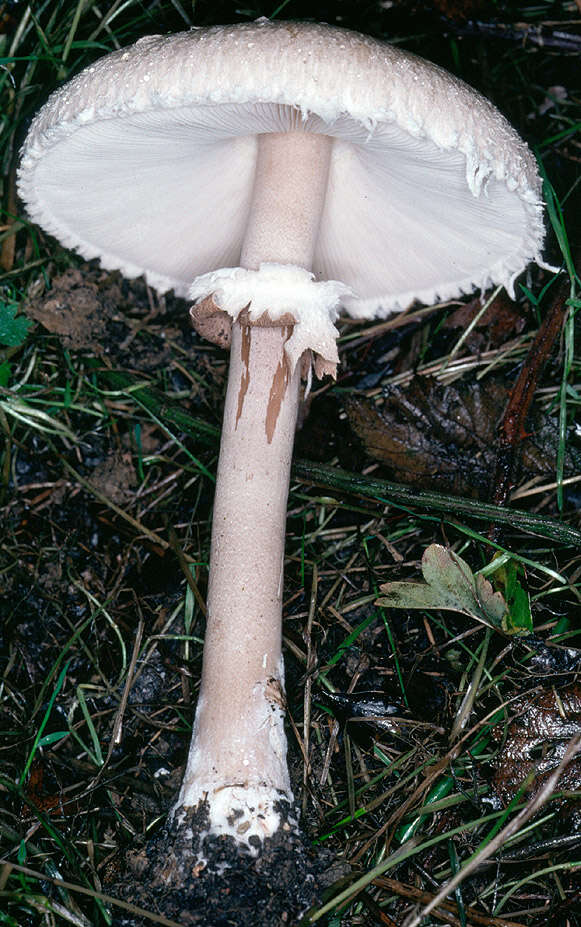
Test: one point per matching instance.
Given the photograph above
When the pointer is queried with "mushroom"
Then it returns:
(277, 172)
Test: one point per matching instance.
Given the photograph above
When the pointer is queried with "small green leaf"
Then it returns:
(518, 618)
(13, 328)
(49, 739)
(59, 684)
(450, 585)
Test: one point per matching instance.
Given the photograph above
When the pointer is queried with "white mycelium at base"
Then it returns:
(244, 809)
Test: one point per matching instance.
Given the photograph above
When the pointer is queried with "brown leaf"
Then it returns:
(445, 437)
(501, 321)
(536, 739)
(71, 310)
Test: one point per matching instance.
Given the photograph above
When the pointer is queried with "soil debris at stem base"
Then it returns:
(275, 888)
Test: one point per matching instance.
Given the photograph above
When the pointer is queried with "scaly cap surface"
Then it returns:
(146, 161)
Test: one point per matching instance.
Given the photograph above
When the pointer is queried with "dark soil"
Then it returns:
(229, 888)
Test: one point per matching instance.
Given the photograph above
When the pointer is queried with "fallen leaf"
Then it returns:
(535, 739)
(502, 320)
(445, 437)
(450, 585)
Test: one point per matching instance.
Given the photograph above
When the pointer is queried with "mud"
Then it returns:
(166, 877)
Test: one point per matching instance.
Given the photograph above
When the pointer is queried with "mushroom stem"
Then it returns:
(238, 754)
(237, 761)
(290, 184)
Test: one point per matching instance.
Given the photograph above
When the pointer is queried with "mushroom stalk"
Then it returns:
(237, 761)
(238, 752)
(290, 184)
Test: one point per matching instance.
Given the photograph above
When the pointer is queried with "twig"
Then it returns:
(411, 497)
(118, 724)
(545, 35)
(409, 891)
(512, 429)
(157, 404)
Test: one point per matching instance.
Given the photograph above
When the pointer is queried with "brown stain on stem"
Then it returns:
(278, 389)
(245, 378)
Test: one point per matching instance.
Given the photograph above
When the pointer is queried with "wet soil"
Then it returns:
(227, 887)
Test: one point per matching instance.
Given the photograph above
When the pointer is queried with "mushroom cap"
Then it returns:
(146, 160)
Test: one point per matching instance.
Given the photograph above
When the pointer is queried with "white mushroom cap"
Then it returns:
(146, 161)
